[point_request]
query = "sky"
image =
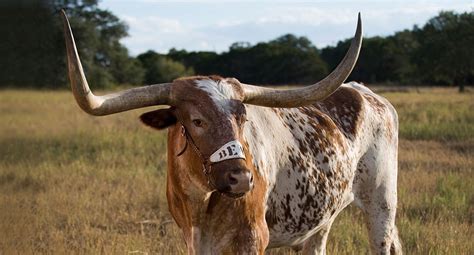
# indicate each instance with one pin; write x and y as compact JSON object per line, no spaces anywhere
{"x":211,"y":25}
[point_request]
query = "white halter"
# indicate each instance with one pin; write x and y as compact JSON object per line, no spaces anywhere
{"x":230,"y":150}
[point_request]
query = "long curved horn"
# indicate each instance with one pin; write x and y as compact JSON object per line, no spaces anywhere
{"x":307,"y":95}
{"x":111,"y":103}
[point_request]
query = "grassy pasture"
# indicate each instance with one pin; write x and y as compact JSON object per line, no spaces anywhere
{"x":72,"y":183}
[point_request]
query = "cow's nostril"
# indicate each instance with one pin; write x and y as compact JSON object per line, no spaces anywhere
{"x":232,"y":180}
{"x":240,"y":181}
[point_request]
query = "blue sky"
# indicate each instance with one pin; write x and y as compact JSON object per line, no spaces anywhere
{"x":214,"y":25}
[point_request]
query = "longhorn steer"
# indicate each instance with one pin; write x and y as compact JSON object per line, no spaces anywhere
{"x":243,"y":178}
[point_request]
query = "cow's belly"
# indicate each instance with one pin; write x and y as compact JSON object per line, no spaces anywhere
{"x":303,"y":202}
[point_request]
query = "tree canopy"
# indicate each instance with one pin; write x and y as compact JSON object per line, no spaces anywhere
{"x":285,"y":60}
{"x":33,"y":54}
{"x":445,"y":54}
{"x":160,"y":68}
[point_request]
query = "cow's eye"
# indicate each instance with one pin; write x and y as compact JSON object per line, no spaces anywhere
{"x":197,"y":122}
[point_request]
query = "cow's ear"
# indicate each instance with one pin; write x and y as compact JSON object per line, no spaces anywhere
{"x":159,"y":119}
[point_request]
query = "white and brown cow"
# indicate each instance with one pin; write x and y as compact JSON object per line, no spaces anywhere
{"x":253,"y":168}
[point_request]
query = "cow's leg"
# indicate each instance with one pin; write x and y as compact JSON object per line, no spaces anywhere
{"x":383,"y":233}
{"x":316,"y":244}
{"x":375,"y":189}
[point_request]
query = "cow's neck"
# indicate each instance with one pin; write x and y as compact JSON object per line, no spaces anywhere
{"x":214,"y":223}
{"x":228,"y":225}
{"x":219,"y":224}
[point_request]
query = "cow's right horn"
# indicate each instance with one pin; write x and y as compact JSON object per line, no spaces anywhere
{"x":310,"y":94}
{"x":112,"y":103}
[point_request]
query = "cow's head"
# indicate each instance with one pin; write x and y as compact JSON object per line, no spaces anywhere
{"x":209,"y":113}
{"x":209,"y":110}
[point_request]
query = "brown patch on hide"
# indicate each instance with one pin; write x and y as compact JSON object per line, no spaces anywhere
{"x":324,"y":134}
{"x":383,"y":109}
{"x":344,"y":107}
{"x":179,"y":204}
{"x":390,"y":128}
{"x":375,"y":103}
{"x":270,"y":216}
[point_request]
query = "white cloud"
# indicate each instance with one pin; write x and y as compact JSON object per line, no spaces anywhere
{"x":154,"y":23}
{"x":159,"y":34}
{"x":307,"y":16}
{"x":207,"y":27}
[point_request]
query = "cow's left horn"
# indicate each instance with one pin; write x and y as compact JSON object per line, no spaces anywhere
{"x":111,"y":103}
{"x":309,"y":94}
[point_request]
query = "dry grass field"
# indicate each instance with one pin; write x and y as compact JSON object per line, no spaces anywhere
{"x":75,"y":184}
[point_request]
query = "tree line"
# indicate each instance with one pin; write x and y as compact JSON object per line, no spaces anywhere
{"x":33,"y":55}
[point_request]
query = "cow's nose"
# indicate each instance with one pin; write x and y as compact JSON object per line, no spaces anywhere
{"x":240,"y":181}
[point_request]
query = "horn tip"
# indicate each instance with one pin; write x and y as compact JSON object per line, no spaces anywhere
{"x":359,"y":20}
{"x":359,"y":26}
{"x":64,"y":16}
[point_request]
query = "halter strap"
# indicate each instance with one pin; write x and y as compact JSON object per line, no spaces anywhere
{"x":190,"y":140}
{"x":230,"y":150}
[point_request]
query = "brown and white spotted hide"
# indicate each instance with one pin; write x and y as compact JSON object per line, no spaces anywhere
{"x":307,"y":163}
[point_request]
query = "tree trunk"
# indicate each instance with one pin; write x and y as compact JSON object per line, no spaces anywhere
{"x":458,"y":80}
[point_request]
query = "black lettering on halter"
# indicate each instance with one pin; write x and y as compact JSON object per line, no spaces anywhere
{"x":222,"y":154}
{"x":231,"y":150}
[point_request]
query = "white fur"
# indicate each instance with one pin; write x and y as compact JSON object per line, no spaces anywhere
{"x":220,"y":92}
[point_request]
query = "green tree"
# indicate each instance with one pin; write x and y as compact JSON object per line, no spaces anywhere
{"x":285,"y":60}
{"x":401,"y":48}
{"x":445,"y":55}
{"x":202,"y":62}
{"x":98,"y":32}
{"x":32,"y":45}
{"x":382,"y":59}
{"x":29,"y":45}
{"x":160,"y":68}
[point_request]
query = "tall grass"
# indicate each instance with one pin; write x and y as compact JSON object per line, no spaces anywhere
{"x":436,"y":114}
{"x":75,"y":184}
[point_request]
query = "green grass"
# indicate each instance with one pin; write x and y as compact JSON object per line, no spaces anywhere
{"x":435,"y":115}
{"x":72,"y":183}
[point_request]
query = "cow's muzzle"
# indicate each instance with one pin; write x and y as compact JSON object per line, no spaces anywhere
{"x":232,"y":179}
{"x":225,"y":168}
{"x":235,"y":179}
{"x":239,"y":182}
